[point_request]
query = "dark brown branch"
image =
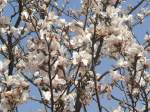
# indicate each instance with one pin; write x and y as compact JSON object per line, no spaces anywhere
{"x":134,"y":8}
{"x":10,"y":55}
{"x":93,"y":66}
{"x":20,"y":9}
{"x":49,"y":74}
{"x":116,"y":4}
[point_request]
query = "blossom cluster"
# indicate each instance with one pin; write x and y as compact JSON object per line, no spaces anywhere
{"x":59,"y":56}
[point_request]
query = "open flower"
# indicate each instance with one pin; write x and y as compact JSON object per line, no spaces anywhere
{"x":116,"y":76}
{"x":4,"y":21}
{"x":82,"y":56}
{"x":2,"y":4}
{"x":118,"y":109}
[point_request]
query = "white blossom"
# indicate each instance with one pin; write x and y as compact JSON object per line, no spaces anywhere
{"x":118,"y":109}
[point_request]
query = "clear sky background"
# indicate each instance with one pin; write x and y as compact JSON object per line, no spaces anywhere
{"x":139,"y":31}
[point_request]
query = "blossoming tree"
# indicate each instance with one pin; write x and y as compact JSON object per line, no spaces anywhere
{"x":55,"y":48}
